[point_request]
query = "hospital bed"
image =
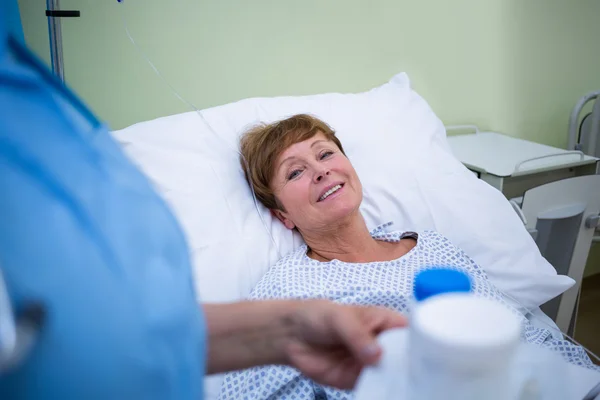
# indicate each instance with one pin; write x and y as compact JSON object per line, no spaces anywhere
{"x":555,"y":192}
{"x":409,"y":174}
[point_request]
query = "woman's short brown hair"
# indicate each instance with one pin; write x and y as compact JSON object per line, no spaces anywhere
{"x":263,"y":144}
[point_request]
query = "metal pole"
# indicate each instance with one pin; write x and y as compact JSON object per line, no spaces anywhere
{"x":55,"y":34}
{"x":574,"y":120}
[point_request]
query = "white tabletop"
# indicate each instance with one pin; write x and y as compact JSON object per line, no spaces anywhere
{"x":502,"y":155}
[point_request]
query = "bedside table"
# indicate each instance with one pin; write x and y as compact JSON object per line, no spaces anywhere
{"x":514,"y":165}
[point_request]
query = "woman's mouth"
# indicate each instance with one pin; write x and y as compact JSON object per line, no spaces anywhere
{"x":331,"y":191}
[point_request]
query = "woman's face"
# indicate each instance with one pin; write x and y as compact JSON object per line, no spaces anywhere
{"x":316,"y":184}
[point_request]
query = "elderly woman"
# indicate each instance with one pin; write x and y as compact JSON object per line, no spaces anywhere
{"x":299,"y":170}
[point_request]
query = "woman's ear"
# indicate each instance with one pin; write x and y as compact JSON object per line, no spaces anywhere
{"x":280,"y":215}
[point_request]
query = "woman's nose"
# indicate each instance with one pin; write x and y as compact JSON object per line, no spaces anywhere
{"x":320,"y":175}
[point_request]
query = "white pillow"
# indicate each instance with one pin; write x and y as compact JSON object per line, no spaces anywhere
{"x":399,"y":149}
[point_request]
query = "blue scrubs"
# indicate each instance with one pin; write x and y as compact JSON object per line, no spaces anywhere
{"x":83,"y":233}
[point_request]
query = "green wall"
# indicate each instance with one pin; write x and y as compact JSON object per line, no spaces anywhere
{"x":512,"y":66}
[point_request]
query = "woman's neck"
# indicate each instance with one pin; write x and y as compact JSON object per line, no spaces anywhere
{"x":348,"y":241}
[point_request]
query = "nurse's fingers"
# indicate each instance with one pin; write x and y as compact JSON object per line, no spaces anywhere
{"x":358,"y":328}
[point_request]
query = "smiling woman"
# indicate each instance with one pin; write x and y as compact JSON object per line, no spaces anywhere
{"x":299,"y":170}
{"x":315,"y":184}
{"x":263,"y":145}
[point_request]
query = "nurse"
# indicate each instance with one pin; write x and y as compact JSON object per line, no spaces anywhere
{"x":89,"y":246}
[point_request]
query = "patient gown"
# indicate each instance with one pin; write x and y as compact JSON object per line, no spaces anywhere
{"x":388,"y":284}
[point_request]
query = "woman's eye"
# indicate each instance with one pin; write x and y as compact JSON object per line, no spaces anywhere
{"x":293,"y":174}
{"x":326,"y":154}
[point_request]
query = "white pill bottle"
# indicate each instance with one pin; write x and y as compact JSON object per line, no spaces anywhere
{"x":462,"y":346}
{"x":457,"y":346}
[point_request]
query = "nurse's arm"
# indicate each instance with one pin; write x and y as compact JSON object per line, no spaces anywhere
{"x":247,"y":334}
{"x":305,"y":334}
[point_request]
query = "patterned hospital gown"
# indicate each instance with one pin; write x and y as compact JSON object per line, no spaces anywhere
{"x":388,"y":284}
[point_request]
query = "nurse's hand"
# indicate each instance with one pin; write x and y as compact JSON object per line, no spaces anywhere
{"x":328,"y":342}
{"x":331,"y":343}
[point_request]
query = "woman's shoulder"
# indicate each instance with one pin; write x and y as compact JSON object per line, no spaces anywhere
{"x":286,"y":277}
{"x":295,"y":257}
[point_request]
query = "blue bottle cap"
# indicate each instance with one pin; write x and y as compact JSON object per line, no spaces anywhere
{"x":440,"y":280}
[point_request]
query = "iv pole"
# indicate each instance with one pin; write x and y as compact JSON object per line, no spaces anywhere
{"x":54,"y":14}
